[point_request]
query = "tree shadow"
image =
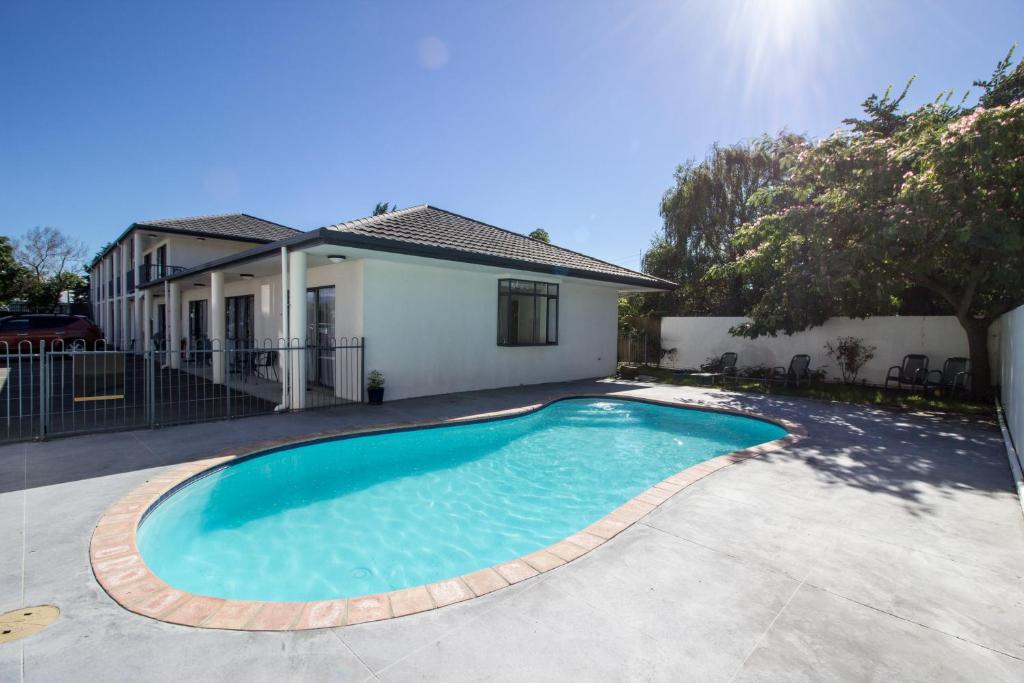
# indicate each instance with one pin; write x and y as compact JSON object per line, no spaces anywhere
{"x":914,"y":458}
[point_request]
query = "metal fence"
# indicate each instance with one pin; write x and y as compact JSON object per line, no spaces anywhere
{"x":52,"y":390}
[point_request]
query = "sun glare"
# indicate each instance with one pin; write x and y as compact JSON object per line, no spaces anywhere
{"x":778,"y":51}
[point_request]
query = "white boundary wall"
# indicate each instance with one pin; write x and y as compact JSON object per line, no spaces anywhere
{"x":938,"y":337}
{"x":1011,"y":372}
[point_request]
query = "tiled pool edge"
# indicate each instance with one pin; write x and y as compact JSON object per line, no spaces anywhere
{"x":122,"y":573}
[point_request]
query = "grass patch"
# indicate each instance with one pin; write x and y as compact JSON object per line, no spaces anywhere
{"x":847,"y":393}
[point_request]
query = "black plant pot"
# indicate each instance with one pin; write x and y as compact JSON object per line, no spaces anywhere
{"x":376,"y":395}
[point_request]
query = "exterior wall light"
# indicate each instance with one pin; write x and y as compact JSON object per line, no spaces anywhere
{"x":335,"y":258}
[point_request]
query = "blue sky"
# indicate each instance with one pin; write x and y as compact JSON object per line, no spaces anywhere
{"x":569,"y":116}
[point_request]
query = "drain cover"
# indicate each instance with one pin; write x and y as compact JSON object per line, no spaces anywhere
{"x":23,"y":622}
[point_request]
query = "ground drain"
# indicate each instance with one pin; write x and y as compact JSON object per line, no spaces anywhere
{"x":21,"y":623}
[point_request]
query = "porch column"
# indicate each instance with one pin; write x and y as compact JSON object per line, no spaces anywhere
{"x":137,"y":333}
{"x":296,"y":329}
{"x":124,"y":331}
{"x":147,"y":317}
{"x":115,"y":263}
{"x":174,"y":324}
{"x":218,"y":330}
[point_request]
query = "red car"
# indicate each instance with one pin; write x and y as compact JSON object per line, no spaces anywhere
{"x":25,"y":332}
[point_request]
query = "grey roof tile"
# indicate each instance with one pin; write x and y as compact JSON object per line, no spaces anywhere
{"x":428,"y":226}
{"x":239,"y":226}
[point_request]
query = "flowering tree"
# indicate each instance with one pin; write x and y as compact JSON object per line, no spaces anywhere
{"x":931,"y":198}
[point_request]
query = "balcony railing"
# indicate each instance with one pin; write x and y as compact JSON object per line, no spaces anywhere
{"x":148,"y":272}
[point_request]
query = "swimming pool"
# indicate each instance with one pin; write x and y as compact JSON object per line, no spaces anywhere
{"x":380,"y":512}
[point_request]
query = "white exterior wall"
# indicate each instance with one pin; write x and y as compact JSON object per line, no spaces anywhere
{"x":1011,"y":372}
{"x":433,"y":330}
{"x":188,"y":251}
{"x":938,"y":337}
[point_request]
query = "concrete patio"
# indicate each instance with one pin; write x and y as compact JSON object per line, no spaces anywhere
{"x":884,"y":546}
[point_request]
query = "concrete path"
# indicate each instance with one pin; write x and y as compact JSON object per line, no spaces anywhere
{"x":883,"y":547}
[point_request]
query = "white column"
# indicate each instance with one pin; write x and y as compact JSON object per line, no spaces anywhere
{"x":297,"y":327}
{"x":115,"y":264}
{"x":137,"y":333}
{"x":123,"y":331}
{"x":107,"y":332}
{"x":174,"y":324}
{"x":217,"y":324}
{"x":147,"y":317}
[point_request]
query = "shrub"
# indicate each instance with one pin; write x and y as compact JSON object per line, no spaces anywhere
{"x":850,"y":353}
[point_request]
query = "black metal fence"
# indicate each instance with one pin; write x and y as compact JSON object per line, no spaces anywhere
{"x":49,"y":390}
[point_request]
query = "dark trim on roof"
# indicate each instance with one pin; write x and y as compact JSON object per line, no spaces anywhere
{"x":341,"y":238}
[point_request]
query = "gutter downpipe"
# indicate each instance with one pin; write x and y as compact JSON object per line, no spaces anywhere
{"x":286,"y":356}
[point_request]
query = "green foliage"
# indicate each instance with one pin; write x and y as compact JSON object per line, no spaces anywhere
{"x":701,"y":213}
{"x":540,"y":234}
{"x":12,"y":273}
{"x":1006,"y":85}
{"x":40,"y":268}
{"x":931,"y":198}
{"x":376,"y":379}
{"x":381,"y":208}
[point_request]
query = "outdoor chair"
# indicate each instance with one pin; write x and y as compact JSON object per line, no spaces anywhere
{"x":724,"y":366}
{"x":728,"y":360}
{"x":954,"y":376}
{"x":913,"y":372}
{"x":264,"y":363}
{"x":202,"y":351}
{"x":799,"y":371}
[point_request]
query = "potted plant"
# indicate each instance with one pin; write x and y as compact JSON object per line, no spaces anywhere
{"x":375,"y":389}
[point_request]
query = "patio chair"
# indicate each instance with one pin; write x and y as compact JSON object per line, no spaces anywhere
{"x":724,"y":366}
{"x":955,"y":375}
{"x":910,"y":374}
{"x":799,"y":371}
{"x":202,"y":351}
{"x":263,"y":363}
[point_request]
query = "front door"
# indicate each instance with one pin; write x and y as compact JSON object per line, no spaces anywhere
{"x":320,"y":336}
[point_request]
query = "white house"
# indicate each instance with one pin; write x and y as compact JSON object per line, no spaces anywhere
{"x":445,"y":303}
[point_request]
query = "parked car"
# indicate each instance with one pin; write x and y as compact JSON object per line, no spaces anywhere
{"x":19,"y":332}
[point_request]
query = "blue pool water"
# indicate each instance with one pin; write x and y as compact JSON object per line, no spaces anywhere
{"x":381,"y":512}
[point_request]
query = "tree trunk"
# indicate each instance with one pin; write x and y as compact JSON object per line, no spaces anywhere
{"x":977,"y":343}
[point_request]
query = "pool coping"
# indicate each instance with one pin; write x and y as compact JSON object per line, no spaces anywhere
{"x":120,"y":570}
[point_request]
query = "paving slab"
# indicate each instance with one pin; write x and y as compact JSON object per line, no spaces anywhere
{"x":824,"y":637}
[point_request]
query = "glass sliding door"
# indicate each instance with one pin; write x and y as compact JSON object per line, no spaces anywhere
{"x":320,"y":336}
{"x":238,"y":311}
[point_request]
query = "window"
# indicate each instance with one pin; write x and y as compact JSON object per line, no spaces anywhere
{"x":14,"y":325}
{"x":527,"y":313}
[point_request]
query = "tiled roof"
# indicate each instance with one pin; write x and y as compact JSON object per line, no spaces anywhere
{"x":463,"y":238}
{"x":238,"y":226}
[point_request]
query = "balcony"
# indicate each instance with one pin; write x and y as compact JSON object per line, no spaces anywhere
{"x":148,"y":272}
{"x":129,"y":281}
